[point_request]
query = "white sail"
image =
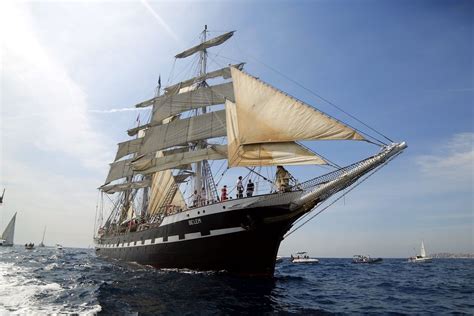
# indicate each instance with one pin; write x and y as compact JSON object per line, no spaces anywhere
{"x":128,"y":147}
{"x":263,"y":154}
{"x":423,"y":251}
{"x":162,"y":183}
{"x":150,"y":165}
{"x":114,"y":188}
{"x":267,"y":115}
{"x":169,"y":105}
{"x":119,"y":169}
{"x":182,"y":132}
{"x":9,"y":232}
{"x":205,"y":45}
{"x":187,"y":97}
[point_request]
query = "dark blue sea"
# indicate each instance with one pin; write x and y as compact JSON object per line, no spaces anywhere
{"x":46,"y":281}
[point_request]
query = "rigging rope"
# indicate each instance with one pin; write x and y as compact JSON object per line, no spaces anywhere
{"x":340,"y":197}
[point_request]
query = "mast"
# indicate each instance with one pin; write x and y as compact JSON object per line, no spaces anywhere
{"x":44,"y":232}
{"x":146,"y":197}
{"x":198,"y":178}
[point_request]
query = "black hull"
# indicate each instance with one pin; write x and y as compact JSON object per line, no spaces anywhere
{"x":242,"y":241}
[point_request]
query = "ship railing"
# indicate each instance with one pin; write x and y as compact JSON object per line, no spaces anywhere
{"x":283,"y":197}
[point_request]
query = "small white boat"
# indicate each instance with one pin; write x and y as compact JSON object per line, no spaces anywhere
{"x":422,"y":258}
{"x":302,"y":257}
{"x":59,"y":247}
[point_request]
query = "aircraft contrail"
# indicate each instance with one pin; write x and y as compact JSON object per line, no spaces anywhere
{"x":119,"y":110}
{"x":160,"y":20}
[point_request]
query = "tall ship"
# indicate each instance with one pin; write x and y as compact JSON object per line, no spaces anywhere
{"x":163,"y":203}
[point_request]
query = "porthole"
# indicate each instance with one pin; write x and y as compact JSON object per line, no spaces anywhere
{"x":203,"y":211}
{"x":223,"y":207}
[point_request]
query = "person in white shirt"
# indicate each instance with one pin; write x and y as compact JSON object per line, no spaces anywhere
{"x":240,"y":188}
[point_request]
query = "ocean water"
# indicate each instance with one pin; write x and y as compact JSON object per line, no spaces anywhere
{"x":47,"y":281}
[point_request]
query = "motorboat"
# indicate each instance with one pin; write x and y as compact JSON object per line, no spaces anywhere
{"x":302,"y":257}
{"x":59,"y":247}
{"x":365,"y":259}
{"x":29,"y":246}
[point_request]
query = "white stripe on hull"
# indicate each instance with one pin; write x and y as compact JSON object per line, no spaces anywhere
{"x":172,"y":239}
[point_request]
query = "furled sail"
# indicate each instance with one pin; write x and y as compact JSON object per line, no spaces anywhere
{"x":182,"y":132}
{"x":223,"y":72}
{"x":113,"y":188}
{"x":267,"y":115}
{"x":167,"y":106}
{"x":134,"y":131}
{"x":151,"y":165}
{"x":205,"y":45}
{"x":263,"y":154}
{"x":9,"y":232}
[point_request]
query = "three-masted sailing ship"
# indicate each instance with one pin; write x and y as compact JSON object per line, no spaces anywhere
{"x":150,"y":220}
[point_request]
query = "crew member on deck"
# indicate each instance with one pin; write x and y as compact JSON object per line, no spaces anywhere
{"x":240,"y":188}
{"x":203,"y":197}
{"x":250,"y":188}
{"x":224,"y":193}
{"x":282,"y":179}
{"x":195,"y":198}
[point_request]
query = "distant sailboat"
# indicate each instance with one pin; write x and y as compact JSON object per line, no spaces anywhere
{"x":41,"y":244}
{"x":8,"y":234}
{"x":422,"y":258}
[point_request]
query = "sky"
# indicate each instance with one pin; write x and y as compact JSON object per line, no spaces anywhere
{"x":72,"y":71}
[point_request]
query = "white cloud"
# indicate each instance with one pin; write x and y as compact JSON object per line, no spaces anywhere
{"x":42,"y":106}
{"x":452,"y":163}
{"x":52,"y":153}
